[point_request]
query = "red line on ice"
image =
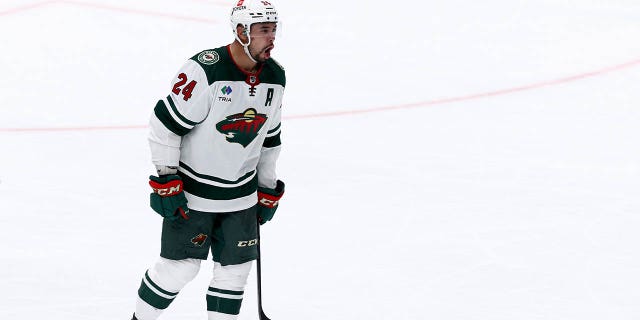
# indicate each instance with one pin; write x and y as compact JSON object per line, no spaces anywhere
{"x":475,"y":96}
{"x":468,"y":97}
{"x":57,"y":129}
{"x":107,"y":7}
{"x":138,"y":11}
{"x":25,"y":8}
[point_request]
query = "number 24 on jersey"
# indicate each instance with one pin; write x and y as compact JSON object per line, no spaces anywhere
{"x":186,"y":90}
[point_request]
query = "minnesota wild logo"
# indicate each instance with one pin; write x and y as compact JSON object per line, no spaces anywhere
{"x":199,"y":239}
{"x":243,"y":127}
{"x":208,"y":57}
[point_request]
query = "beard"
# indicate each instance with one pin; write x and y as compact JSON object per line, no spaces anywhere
{"x":261,"y":54}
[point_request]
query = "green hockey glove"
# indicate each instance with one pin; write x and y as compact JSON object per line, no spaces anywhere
{"x":268,"y":201}
{"x":167,"y":198}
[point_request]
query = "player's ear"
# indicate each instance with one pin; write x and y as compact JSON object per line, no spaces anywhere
{"x":242,"y":33}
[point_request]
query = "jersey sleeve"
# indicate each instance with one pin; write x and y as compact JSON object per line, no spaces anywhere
{"x":270,"y":152}
{"x":186,"y":105}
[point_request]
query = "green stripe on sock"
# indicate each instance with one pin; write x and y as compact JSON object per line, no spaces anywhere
{"x":237,"y":293}
{"x":223,"y":305}
{"x":146,"y":275}
{"x":147,"y":295}
{"x":150,"y":296}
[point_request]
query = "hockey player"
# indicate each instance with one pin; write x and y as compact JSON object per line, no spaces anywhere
{"x":214,"y":141}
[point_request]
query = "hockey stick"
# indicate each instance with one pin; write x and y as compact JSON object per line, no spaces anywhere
{"x":259,"y":271}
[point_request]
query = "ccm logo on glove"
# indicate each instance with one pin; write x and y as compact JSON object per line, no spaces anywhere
{"x":268,"y":200}
{"x":166,"y":190}
{"x":167,"y":198}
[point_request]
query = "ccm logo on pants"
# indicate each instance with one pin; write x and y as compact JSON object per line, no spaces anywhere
{"x":247,"y":243}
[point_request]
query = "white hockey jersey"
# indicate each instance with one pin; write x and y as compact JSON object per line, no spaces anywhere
{"x":221,"y":127}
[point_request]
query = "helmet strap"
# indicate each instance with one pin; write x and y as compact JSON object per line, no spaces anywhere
{"x":246,"y":50}
{"x":246,"y":46}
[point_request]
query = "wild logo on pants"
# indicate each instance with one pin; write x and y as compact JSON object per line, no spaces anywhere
{"x":199,"y":239}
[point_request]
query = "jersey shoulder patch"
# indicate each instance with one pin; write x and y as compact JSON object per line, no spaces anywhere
{"x":214,"y":62}
{"x":208,"y":57}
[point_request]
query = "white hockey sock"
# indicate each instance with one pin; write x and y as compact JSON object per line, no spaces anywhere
{"x":161,"y":284}
{"x":226,"y":289}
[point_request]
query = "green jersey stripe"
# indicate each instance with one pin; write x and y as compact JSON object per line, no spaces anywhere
{"x":215,"y":179}
{"x":162,"y":113}
{"x":210,"y":192}
{"x":271,"y":142}
{"x":274,"y":129}
{"x":177,"y":113}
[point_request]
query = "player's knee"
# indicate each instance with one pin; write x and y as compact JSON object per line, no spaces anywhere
{"x":231,"y":277}
{"x":173,"y":275}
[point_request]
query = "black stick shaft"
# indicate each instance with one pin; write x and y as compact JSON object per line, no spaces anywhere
{"x":259,"y":272}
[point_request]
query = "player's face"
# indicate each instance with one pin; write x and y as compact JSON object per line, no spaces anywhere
{"x":262,"y":37}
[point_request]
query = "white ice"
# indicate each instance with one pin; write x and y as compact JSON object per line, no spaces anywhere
{"x":446,"y":160}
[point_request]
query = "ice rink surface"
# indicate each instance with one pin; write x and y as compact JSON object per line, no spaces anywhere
{"x":444,"y":160}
